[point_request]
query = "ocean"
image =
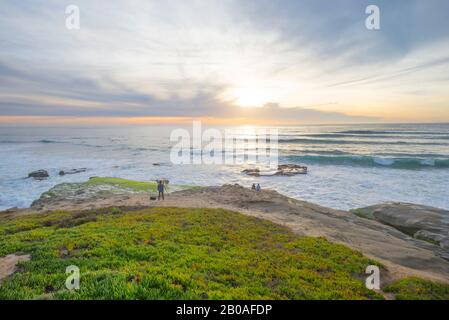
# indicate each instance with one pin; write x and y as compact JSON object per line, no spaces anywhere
{"x":349,"y":166}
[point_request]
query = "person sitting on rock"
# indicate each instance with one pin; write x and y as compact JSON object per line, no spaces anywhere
{"x":160,"y":189}
{"x":253,"y":187}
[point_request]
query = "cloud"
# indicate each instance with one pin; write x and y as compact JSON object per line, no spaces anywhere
{"x":51,"y":95}
{"x":190,"y":58}
{"x":299,"y":115}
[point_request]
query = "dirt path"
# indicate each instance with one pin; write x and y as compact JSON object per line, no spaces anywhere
{"x":401,"y":254}
{"x":8,"y":264}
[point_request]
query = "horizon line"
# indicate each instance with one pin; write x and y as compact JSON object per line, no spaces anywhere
{"x":20,"y":121}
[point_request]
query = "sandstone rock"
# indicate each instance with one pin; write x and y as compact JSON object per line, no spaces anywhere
{"x":445,"y":244}
{"x":418,"y":221}
{"x":39,"y":174}
{"x":429,"y":236}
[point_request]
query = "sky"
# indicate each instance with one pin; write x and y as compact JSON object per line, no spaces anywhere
{"x":252,"y":61}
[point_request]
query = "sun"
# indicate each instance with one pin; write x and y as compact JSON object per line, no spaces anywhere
{"x":249,"y":97}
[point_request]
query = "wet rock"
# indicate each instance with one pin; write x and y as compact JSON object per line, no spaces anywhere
{"x":290,"y":170}
{"x":39,"y":174}
{"x":72,"y":171}
{"x":282,"y":170}
{"x":252,"y":172}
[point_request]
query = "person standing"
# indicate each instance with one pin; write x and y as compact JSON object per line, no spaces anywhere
{"x":258,"y":187}
{"x":160,"y":189}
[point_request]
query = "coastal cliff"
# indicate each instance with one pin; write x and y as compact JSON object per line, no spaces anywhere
{"x":400,"y":255}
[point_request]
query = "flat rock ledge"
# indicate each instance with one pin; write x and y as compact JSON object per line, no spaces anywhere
{"x":418,"y":221}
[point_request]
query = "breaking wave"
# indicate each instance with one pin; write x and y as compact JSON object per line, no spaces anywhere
{"x":370,"y":161}
{"x":364,"y":142}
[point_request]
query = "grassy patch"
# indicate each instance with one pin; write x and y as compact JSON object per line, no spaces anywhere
{"x":124,"y":183}
{"x":174,"y":253}
{"x":103,"y":187}
{"x":133,"y":185}
{"x":418,"y":289}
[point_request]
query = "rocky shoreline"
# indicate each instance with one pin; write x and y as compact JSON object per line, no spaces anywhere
{"x":282,"y":170}
{"x":408,"y":239}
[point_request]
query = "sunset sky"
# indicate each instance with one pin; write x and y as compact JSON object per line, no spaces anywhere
{"x":225,"y":61}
